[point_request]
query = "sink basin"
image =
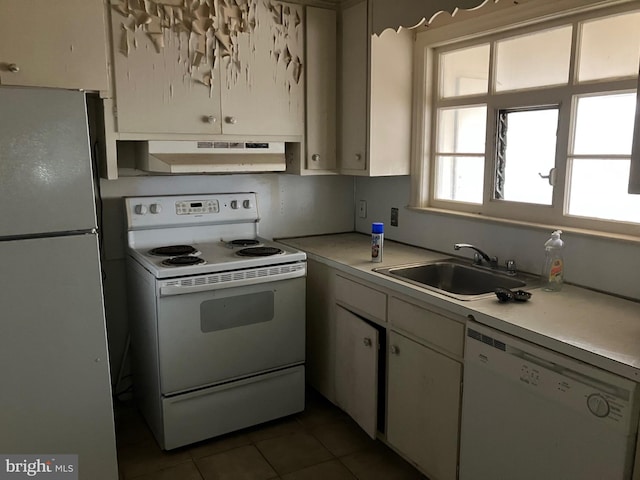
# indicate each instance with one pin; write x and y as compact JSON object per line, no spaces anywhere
{"x":454,"y":278}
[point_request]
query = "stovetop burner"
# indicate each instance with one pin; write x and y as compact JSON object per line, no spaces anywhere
{"x":259,"y":251}
{"x":182,"y":260}
{"x":173,"y":250}
{"x":243,"y":242}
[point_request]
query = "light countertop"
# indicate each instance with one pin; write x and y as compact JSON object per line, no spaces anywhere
{"x":599,"y":329}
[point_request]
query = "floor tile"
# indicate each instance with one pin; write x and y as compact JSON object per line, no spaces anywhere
{"x":242,"y":463}
{"x":343,"y":437}
{"x":183,"y":471}
{"x":274,"y":429}
{"x":380,"y":463}
{"x":219,"y":444}
{"x":331,"y":470}
{"x":146,"y":457}
{"x":299,"y":447}
{"x":319,"y":411}
{"x":289,"y":453}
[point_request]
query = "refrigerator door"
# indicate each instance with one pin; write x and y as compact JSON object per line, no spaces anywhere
{"x":45,"y":164}
{"x":56,"y":392}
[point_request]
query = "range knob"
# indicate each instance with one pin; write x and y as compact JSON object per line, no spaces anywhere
{"x":155,"y":208}
{"x":247,"y":204}
{"x":234,"y":204}
{"x":140,"y":209}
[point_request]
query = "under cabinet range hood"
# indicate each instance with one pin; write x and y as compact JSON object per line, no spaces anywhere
{"x":198,"y":156}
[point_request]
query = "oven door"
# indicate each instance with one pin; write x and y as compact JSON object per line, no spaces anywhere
{"x":218,"y":335}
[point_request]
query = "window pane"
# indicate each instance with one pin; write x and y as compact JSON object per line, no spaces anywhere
{"x":610,"y":47}
{"x":599,"y":190}
{"x":462,"y":130}
{"x":464,"y":72}
{"x":526,"y":150}
{"x":534,"y":60}
{"x":604,"y":124}
{"x":459,"y":178}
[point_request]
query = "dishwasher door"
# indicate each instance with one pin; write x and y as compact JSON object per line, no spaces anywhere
{"x":531,"y":414}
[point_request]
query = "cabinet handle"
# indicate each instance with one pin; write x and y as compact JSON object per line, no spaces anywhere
{"x":14,"y":68}
{"x":367,"y":342}
{"x":210,"y":119}
{"x":394,"y":350}
{"x":315,"y":157}
{"x":358,"y":157}
{"x":231,"y":120}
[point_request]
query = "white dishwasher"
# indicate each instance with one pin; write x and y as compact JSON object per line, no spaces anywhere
{"x":529,"y":414}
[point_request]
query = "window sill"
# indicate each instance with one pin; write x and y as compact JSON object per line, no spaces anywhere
{"x":633,"y":239}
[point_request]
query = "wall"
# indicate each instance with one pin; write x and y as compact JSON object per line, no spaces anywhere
{"x":288,"y":206}
{"x":599,"y":263}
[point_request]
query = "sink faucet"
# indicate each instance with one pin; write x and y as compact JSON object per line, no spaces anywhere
{"x":479,"y":255}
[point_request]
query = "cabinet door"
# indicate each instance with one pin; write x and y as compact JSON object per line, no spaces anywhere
{"x":321,"y":88}
{"x":59,"y":43}
{"x":423,"y":414}
{"x":353,"y":87}
{"x":157,"y":90}
{"x":357,"y":369}
{"x":263,"y":94}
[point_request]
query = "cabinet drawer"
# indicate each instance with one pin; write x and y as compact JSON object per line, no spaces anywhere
{"x":366,"y":301}
{"x":430,"y":326}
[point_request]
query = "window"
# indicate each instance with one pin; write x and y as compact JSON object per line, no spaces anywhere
{"x":535,"y":124}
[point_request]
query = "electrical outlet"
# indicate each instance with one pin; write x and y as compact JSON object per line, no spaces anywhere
{"x":362,"y":209}
{"x":394,"y":217}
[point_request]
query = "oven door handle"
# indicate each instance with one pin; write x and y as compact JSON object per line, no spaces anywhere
{"x":207,"y":283}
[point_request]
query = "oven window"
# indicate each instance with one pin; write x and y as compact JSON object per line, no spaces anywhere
{"x":239,"y":311}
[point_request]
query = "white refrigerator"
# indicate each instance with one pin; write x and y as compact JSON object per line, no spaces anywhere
{"x":55,"y":393}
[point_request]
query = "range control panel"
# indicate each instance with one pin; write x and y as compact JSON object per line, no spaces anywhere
{"x":176,"y":210}
{"x":197,"y":207}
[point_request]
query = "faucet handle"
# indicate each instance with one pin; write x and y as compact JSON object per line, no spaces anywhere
{"x":511,"y":267}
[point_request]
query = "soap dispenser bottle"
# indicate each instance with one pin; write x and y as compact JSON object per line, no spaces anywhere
{"x":553,"y":271}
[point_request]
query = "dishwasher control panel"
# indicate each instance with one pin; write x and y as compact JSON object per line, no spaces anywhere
{"x":556,"y":377}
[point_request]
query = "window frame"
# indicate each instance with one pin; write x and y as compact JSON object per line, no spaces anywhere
{"x":474,"y":31}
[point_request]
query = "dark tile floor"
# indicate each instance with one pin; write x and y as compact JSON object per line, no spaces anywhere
{"x":321,"y":443}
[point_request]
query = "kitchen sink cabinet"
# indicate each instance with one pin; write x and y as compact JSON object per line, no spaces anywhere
{"x":60,"y":44}
{"x":423,"y":406}
{"x":216,"y":74}
{"x":375,"y":96}
{"x":347,"y":319}
{"x":356,"y":370}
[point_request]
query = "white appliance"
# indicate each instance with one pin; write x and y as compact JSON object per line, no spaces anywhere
{"x":197,"y":156}
{"x":55,"y":390}
{"x":530,"y":414}
{"x":217,"y":317}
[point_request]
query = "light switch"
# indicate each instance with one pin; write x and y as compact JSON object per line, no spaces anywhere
{"x":362,"y":209}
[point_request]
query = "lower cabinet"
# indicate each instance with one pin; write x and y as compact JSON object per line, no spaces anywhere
{"x":387,"y":382}
{"x":321,"y":329}
{"x":423,"y":406}
{"x":356,"y":369}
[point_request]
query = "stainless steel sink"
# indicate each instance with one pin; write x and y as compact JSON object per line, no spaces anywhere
{"x":457,"y":279}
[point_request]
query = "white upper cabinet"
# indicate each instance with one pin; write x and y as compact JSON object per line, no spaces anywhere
{"x":208,"y":68}
{"x":60,"y":44}
{"x":321,"y":52}
{"x":375,"y":96}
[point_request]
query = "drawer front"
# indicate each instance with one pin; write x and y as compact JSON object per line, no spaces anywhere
{"x":427,"y":325}
{"x":365,"y":301}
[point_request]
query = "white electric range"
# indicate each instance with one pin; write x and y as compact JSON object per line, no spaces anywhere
{"x":217,"y":316}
